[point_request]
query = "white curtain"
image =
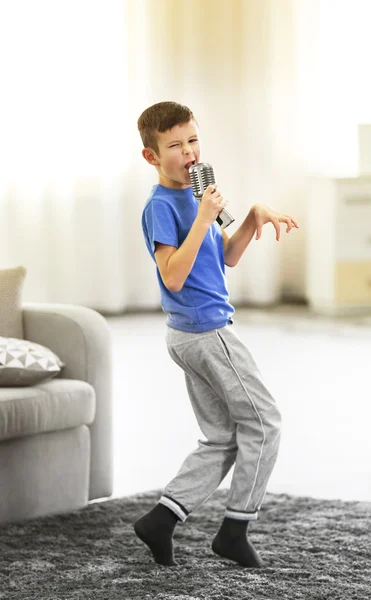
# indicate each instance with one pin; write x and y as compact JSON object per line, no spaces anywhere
{"x":64,"y":149}
{"x":262,"y":78}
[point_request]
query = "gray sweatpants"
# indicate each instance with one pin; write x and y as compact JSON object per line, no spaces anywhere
{"x":236,"y":414}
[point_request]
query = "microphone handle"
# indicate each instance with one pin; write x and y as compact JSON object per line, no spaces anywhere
{"x":224,"y":219}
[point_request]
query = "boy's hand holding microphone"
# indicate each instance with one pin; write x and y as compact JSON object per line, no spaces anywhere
{"x":212,"y":203}
{"x":204,"y":184}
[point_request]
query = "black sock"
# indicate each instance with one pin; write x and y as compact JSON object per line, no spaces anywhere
{"x":231,"y":542}
{"x":156,"y":529}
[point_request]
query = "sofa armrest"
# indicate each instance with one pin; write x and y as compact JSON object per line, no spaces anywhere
{"x":81,"y":338}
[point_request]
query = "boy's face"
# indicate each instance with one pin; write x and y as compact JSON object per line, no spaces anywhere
{"x":179,"y":148}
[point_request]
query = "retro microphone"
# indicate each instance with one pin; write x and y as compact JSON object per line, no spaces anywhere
{"x":202,"y":175}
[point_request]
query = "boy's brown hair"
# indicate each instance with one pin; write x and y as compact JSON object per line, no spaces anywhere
{"x":159,"y":118}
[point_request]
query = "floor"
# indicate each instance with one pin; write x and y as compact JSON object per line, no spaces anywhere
{"x":317,"y":368}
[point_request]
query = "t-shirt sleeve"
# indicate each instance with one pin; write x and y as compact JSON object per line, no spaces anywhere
{"x":160,"y":225}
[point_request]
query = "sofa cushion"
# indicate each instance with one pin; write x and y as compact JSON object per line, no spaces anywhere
{"x":26,"y":363}
{"x":51,"y":406}
{"x":11,"y":285}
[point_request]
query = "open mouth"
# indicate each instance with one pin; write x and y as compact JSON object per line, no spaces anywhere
{"x":189,"y":164}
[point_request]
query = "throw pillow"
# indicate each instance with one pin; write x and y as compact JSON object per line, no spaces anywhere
{"x":11,"y":285}
{"x":24,"y":363}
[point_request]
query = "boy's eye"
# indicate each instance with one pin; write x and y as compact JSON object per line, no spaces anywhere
{"x":192,"y":140}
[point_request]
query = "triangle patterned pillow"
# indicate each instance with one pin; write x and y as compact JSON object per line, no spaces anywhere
{"x":24,"y":363}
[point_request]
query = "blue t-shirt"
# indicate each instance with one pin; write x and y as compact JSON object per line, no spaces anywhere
{"x":203,"y":302}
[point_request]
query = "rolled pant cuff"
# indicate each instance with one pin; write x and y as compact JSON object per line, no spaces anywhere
{"x":240,"y":515}
{"x":177,"y":508}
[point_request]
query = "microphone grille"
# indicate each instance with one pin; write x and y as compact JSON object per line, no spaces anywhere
{"x":201,"y":175}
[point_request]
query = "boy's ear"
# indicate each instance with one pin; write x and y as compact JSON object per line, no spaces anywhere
{"x":150,"y":156}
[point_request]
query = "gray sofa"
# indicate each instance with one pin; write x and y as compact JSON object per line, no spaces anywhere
{"x":56,"y":436}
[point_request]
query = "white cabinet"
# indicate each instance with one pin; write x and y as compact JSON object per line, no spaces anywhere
{"x":338,"y":264}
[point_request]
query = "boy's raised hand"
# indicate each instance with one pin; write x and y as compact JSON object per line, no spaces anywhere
{"x":264,"y":214}
{"x":212,"y":203}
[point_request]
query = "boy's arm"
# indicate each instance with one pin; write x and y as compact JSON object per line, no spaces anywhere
{"x":236,"y":245}
{"x":175,"y":264}
{"x":259,"y":215}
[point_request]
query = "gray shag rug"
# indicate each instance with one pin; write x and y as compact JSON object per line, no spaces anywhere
{"x":313,"y":549}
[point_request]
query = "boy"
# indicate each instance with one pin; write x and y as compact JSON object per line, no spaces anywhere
{"x":233,"y":408}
